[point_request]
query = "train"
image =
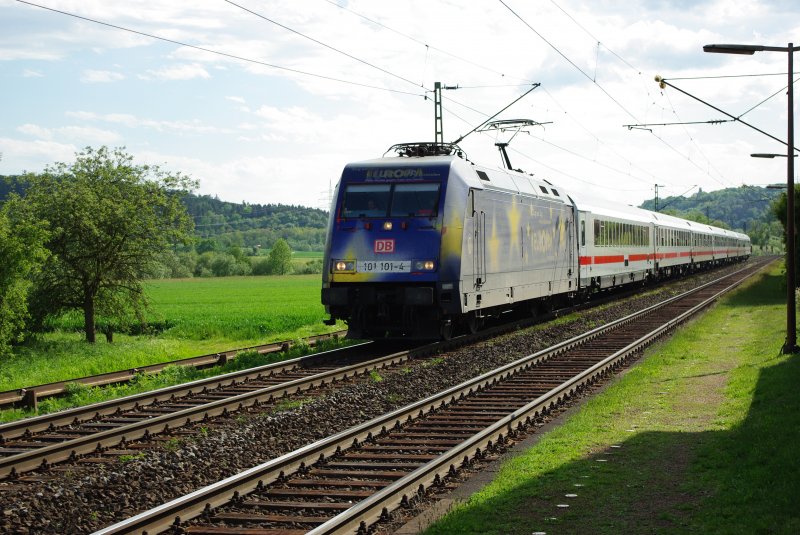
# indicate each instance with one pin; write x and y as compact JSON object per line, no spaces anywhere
{"x":425,"y":243}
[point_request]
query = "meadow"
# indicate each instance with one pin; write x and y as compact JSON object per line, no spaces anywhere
{"x":191,"y":316}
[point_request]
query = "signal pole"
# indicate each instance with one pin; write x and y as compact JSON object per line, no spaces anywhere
{"x":437,"y":110}
{"x":656,"y":188}
{"x":437,"y":113}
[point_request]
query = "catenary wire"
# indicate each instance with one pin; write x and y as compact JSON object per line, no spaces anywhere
{"x":426,"y":45}
{"x":220,"y":53}
{"x":317,"y":41}
{"x":662,"y":140}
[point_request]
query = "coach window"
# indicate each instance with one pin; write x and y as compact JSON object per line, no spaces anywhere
{"x":421,"y":200}
{"x":366,"y":200}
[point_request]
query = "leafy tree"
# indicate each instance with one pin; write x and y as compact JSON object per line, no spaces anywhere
{"x":21,"y":253}
{"x":109,"y":220}
{"x":205,"y":245}
{"x":779,"y":209}
{"x":279,"y":260}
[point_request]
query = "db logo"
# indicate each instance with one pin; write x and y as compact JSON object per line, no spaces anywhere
{"x":384,"y":246}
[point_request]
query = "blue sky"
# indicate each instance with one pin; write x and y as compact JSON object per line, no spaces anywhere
{"x":262,"y":134}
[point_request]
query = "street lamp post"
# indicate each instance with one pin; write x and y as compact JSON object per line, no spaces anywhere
{"x":791,"y":335}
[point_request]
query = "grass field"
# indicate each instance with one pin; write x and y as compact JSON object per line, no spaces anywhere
{"x":699,"y":437}
{"x":238,"y":308}
{"x":202,"y":316}
{"x":307,"y":255}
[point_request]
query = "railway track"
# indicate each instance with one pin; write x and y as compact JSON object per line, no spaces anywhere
{"x":29,"y":396}
{"x":347,"y":482}
{"x":107,"y":428}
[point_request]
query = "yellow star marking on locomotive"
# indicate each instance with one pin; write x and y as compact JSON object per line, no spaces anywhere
{"x":494,"y":246}
{"x":452,"y":235}
{"x":514,"y":217}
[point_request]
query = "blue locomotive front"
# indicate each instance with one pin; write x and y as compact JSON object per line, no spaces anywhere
{"x":386,"y":272}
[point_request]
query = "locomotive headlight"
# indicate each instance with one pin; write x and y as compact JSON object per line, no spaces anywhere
{"x":344,"y":266}
{"x":424,"y":265}
{"x":387,"y":225}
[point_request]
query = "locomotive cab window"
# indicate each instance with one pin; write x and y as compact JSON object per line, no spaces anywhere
{"x":366,"y":200}
{"x":415,"y":200}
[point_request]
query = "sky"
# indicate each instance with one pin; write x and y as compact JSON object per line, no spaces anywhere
{"x":265,"y":101}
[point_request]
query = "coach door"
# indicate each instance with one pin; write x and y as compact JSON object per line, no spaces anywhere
{"x":571,"y":238}
{"x":582,"y":254}
{"x":479,"y":241}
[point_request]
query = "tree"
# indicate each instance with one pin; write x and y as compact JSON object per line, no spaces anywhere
{"x":279,"y":261}
{"x":108,"y":220}
{"x":21,"y":253}
{"x":779,"y":210}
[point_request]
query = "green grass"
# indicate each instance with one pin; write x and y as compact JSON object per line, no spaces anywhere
{"x":203,"y":316}
{"x":707,"y":427}
{"x":229,"y":308}
{"x":239,"y":308}
{"x":307,"y":255}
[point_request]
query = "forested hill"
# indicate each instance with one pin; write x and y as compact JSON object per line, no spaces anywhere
{"x":251,"y":225}
{"x":738,"y":208}
{"x":240,"y":224}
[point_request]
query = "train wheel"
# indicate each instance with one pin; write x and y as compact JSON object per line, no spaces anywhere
{"x":446,"y":329}
{"x":474,"y":323}
{"x":356,"y":325}
{"x":354,"y":332}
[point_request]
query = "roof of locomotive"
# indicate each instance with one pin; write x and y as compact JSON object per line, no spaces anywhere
{"x":475,"y":176}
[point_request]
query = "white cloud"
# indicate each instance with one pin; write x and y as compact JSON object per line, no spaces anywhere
{"x":178,"y":72}
{"x":240,"y":100}
{"x":35,"y":131}
{"x":80,"y":135}
{"x":92,"y":76}
{"x":20,"y":156}
{"x":132,"y":121}
{"x":30,"y":73}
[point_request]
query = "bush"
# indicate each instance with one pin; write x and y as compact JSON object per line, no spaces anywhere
{"x":312,"y":267}
{"x":260,"y":266}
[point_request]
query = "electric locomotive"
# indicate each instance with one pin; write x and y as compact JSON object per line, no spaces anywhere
{"x":424,"y":241}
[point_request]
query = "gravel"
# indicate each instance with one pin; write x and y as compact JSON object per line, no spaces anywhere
{"x":84,"y":498}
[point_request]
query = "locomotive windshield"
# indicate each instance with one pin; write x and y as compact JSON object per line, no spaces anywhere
{"x":415,"y":200}
{"x":397,"y":200}
{"x":366,"y":200}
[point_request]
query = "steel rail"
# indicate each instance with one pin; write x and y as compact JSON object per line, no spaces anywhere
{"x":63,"y":451}
{"x":191,"y":505}
{"x":78,"y":414}
{"x":29,"y":395}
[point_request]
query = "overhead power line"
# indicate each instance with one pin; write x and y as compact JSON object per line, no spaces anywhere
{"x":560,"y":53}
{"x":422,"y":43}
{"x":665,"y":82}
{"x":594,"y":81}
{"x":217,"y":52}
{"x":317,"y":41}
